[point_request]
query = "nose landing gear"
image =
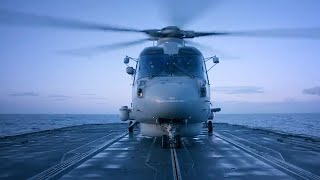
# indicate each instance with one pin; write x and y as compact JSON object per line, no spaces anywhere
{"x":171,"y":138}
{"x":167,"y":141}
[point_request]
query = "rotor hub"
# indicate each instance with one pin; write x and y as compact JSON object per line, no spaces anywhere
{"x":173,"y":32}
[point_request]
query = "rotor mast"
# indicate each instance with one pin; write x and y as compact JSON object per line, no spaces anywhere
{"x":170,"y":45}
{"x":171,"y":40}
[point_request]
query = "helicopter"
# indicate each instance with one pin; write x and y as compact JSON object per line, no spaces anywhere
{"x":170,"y":89}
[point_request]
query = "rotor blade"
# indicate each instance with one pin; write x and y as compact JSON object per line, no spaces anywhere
{"x":211,"y":50}
{"x":181,"y":12}
{"x":33,"y":20}
{"x":101,"y":48}
{"x":311,"y":33}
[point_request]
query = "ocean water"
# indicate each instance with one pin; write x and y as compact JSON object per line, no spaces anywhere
{"x":300,"y":124}
{"x":12,"y":124}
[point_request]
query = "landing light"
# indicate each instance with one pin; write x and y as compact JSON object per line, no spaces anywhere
{"x":140,"y":93}
{"x":126,"y":60}
{"x":130,"y":70}
{"x":215,"y":59}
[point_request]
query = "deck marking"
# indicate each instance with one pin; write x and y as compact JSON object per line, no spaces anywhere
{"x":62,"y":168}
{"x":189,"y":154}
{"x":146,"y":162}
{"x":282,"y":166}
{"x":149,"y":151}
{"x":153,"y":168}
{"x":175,"y":163}
{"x":63,"y":157}
{"x":277,"y":152}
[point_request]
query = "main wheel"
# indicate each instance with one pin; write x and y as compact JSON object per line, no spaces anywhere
{"x":178,"y":141}
{"x":210,"y":127}
{"x":165,"y":141}
{"x":130,"y":128}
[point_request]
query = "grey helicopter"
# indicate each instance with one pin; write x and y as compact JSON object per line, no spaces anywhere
{"x":170,"y":88}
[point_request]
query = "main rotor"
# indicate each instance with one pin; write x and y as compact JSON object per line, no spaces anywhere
{"x":12,"y":18}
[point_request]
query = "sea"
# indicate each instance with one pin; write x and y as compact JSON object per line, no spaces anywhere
{"x":296,"y":124}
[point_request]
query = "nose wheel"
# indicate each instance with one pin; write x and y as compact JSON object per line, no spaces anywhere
{"x":172,"y":139}
{"x":167,"y":141}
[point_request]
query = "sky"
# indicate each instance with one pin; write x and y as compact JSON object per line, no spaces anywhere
{"x":255,"y":75}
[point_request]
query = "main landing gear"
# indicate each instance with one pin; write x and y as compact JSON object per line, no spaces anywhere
{"x":130,"y":128}
{"x":210,"y":127}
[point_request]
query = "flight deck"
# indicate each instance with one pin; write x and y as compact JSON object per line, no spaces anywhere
{"x":108,"y":151}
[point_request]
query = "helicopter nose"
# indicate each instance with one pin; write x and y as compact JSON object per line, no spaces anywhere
{"x":174,"y":100}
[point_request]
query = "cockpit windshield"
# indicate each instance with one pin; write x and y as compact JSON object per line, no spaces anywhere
{"x":154,"y":65}
{"x":190,"y":64}
{"x":170,"y":65}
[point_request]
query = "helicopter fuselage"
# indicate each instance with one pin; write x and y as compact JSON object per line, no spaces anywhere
{"x":170,"y":91}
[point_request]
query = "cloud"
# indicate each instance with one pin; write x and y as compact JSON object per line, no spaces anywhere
{"x":24,"y":94}
{"x":238,"y":89}
{"x":98,"y":98}
{"x":101,"y":103}
{"x":312,"y":91}
{"x":93,"y":96}
{"x":88,"y":94}
{"x":59,"y":97}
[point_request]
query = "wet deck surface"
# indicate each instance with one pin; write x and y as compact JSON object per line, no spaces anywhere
{"x":107,"y":152}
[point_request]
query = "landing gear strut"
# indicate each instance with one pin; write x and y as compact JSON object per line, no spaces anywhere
{"x":130,"y":128}
{"x":172,"y":137}
{"x":210,"y":127}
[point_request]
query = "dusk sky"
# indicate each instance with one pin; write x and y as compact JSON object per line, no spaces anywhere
{"x":255,"y":75}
